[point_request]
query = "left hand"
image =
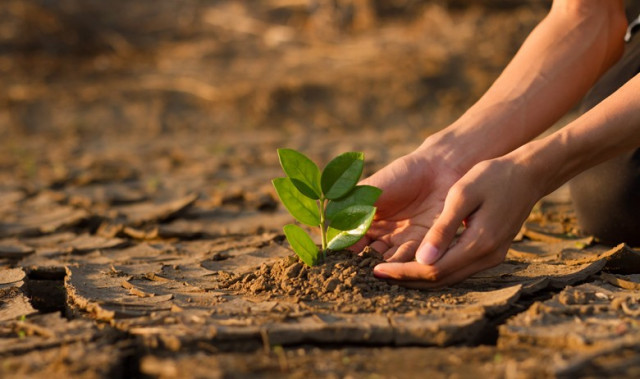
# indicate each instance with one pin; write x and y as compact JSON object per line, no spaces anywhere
{"x":494,"y":199}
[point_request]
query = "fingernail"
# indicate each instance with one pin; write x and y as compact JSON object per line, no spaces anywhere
{"x":427,"y":255}
{"x":379,"y":273}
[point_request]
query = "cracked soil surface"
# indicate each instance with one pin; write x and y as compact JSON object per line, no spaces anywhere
{"x":140,"y":235}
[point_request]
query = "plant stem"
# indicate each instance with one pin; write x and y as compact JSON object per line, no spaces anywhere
{"x":323,"y":227}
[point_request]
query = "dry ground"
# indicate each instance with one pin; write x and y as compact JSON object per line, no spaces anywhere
{"x":139,"y":235}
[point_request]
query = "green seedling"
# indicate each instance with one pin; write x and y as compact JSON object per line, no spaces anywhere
{"x":330,"y":200}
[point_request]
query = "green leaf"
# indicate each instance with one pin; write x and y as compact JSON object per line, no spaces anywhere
{"x":301,"y":207}
{"x":302,"y":244}
{"x":352,"y":217}
{"x":360,"y":195}
{"x":339,"y":239}
{"x":342,"y":174}
{"x":304,"y":174}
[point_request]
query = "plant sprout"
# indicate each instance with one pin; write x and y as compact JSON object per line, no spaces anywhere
{"x":330,"y":199}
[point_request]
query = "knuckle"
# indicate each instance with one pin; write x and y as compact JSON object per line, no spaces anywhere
{"x":459,"y":192}
{"x":484,"y":164}
{"x":489,"y":165}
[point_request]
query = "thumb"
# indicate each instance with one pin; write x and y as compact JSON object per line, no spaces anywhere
{"x":457,"y":207}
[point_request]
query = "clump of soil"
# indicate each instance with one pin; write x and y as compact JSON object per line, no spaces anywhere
{"x":344,"y":283}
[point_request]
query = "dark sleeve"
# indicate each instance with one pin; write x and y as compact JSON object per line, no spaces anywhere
{"x":625,"y":69}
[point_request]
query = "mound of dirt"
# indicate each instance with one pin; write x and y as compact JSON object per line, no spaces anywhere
{"x":344,"y":282}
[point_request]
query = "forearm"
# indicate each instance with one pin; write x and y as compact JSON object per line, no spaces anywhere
{"x":553,"y":69}
{"x":610,"y":128}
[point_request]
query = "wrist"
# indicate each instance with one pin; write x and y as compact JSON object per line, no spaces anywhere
{"x":457,"y":147}
{"x":546,"y":161}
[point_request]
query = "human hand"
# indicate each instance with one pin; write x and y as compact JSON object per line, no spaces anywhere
{"x":414,"y":189}
{"x":493,"y":199}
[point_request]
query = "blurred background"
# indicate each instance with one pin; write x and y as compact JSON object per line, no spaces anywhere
{"x":151,"y":85}
{"x":158,"y":66}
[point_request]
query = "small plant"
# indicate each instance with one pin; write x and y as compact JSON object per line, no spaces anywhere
{"x":331,"y":200}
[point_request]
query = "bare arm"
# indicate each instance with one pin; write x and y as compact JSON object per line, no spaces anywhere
{"x":610,"y":128}
{"x":456,"y":173}
{"x":497,"y":195}
{"x":560,"y":60}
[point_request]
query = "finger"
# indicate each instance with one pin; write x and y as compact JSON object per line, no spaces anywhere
{"x":416,"y":275}
{"x":405,"y":252}
{"x":478,"y":243}
{"x":378,"y":231}
{"x":459,"y":275}
{"x":360,"y":245}
{"x":458,"y":205}
{"x":473,"y":246}
{"x":449,"y":280}
{"x":404,"y":271}
{"x":389,"y":253}
{"x":379,"y":246}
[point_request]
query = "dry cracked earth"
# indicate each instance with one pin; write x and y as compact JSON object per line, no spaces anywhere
{"x":107,"y":273}
{"x":157,"y":251}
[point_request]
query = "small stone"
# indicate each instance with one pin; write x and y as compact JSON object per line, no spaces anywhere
{"x":365,"y":262}
{"x":248,"y":278}
{"x":293,"y":270}
{"x":331,"y":284}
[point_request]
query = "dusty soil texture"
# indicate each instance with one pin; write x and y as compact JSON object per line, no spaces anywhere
{"x":140,"y":235}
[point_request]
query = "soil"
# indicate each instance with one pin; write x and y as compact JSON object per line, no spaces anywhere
{"x":343,"y":283}
{"x":140,"y":235}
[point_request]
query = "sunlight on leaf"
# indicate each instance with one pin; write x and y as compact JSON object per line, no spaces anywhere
{"x":342,"y":174}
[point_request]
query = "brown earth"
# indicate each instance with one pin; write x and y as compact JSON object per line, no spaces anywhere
{"x":140,"y":235}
